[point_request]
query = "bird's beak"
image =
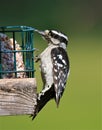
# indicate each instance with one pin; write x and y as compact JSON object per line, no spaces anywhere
{"x":40,"y":32}
{"x":44,"y":34}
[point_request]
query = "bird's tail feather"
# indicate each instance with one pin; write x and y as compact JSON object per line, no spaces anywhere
{"x":44,"y":98}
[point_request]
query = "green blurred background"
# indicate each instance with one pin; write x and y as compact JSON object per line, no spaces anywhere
{"x":81,"y":104}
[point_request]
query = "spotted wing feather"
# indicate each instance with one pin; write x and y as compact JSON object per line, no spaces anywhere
{"x":60,"y":71}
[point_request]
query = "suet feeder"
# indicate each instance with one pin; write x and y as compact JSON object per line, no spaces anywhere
{"x":16,"y":52}
{"x":18,"y":91}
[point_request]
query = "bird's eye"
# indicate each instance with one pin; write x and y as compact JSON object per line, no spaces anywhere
{"x":53,"y":35}
{"x":56,"y":36}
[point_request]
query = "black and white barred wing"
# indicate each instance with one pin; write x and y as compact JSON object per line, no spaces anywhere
{"x":60,"y":71}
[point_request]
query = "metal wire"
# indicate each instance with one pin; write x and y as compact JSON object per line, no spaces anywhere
{"x":25,"y":35}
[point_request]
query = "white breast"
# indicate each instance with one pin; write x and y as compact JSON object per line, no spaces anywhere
{"x":46,"y":65}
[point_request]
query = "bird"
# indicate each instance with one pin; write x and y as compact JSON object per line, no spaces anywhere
{"x":54,"y":64}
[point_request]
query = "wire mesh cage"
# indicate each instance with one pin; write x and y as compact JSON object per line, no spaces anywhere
{"x":16,"y":52}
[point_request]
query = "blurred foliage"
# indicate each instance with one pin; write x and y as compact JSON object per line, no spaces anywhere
{"x":81,"y":20}
{"x":66,"y":15}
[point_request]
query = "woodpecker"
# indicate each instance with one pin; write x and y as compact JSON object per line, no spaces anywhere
{"x":54,"y":64}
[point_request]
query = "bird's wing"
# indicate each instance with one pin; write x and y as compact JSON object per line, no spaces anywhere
{"x":60,"y":71}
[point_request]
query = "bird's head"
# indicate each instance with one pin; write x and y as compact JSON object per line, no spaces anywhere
{"x":54,"y":37}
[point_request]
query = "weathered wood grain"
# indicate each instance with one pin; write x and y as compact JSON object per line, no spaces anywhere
{"x":18,"y":96}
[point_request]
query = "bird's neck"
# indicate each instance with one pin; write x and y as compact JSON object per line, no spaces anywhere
{"x":62,"y":45}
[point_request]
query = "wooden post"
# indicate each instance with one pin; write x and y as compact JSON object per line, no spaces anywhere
{"x":18,"y":96}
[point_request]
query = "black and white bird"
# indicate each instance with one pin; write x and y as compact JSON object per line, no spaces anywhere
{"x":54,"y":65}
